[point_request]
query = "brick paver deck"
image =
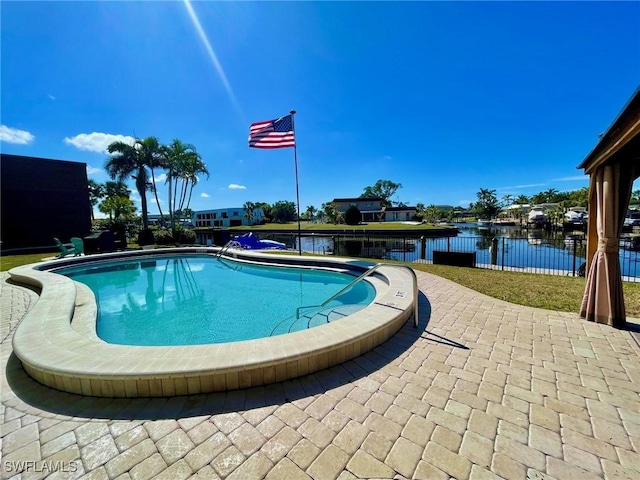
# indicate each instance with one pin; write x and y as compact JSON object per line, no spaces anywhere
{"x":483,"y":389}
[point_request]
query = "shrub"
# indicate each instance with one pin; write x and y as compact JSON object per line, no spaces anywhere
{"x":352,"y":216}
{"x":162,"y":236}
{"x":185,"y":236}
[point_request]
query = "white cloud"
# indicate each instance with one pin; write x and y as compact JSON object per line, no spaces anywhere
{"x":13,"y":135}
{"x":93,"y":170}
{"x":51,"y":96}
{"x":466,"y":203}
{"x":515,"y":187}
{"x":570,"y":179}
{"x":160,"y":178}
{"x":205,"y":195}
{"x":235,"y":186}
{"x":96,"y":141}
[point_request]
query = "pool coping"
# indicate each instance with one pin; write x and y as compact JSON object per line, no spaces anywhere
{"x":56,"y":348}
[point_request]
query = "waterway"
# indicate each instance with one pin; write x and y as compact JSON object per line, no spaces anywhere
{"x":505,"y":247}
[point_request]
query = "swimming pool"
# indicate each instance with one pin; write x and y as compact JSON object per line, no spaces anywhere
{"x":200,"y":299}
{"x":58,"y":346}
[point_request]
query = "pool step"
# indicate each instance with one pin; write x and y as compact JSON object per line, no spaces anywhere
{"x":315,"y":318}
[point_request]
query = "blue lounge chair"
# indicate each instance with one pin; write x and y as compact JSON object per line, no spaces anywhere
{"x":65,"y":250}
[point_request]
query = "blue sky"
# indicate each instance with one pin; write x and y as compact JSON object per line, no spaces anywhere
{"x":443,"y":97}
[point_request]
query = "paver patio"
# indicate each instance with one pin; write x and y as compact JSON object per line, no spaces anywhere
{"x":483,"y":389}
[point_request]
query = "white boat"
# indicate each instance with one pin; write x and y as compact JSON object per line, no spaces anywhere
{"x":632,"y":219}
{"x":537,"y":216}
{"x":575,"y":215}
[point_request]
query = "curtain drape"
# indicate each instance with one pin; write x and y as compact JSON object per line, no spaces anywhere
{"x":609,"y":194}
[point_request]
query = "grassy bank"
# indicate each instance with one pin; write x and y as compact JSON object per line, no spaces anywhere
{"x":541,"y":291}
{"x":329,"y":227}
{"x":552,"y":292}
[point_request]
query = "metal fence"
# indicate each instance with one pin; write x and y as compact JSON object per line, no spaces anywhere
{"x":562,"y":255}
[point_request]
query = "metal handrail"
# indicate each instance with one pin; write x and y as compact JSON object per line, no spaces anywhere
{"x":224,"y":248}
{"x":415,"y":293}
{"x":351,"y":284}
{"x":365,"y":274}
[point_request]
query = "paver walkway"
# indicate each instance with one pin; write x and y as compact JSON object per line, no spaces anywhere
{"x":483,"y":389}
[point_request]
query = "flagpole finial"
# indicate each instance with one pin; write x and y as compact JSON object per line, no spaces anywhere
{"x":292,"y":112}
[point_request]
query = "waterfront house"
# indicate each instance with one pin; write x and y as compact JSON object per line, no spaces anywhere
{"x":372,"y":210}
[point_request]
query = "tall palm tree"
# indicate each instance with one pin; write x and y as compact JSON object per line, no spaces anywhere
{"x":134,"y":161}
{"x":195,"y":167}
{"x":184,"y":165}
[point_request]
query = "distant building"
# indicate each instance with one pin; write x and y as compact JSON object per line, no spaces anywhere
{"x":372,"y":210}
{"x":216,"y":218}
{"x":399,"y":214}
{"x":41,"y":199}
{"x":226,"y":217}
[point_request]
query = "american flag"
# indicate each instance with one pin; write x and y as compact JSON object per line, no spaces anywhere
{"x":272,"y":133}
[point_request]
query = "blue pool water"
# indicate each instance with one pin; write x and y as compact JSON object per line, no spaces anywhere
{"x":190,"y":300}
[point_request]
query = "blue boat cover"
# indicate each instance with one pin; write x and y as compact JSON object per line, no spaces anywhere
{"x":250,"y":241}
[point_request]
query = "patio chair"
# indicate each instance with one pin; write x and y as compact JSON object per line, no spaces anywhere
{"x":78,"y":246}
{"x":65,"y":250}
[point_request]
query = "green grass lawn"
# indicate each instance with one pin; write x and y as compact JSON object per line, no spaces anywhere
{"x":542,"y":291}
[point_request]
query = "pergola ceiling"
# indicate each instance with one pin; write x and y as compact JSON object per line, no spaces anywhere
{"x":621,"y":142}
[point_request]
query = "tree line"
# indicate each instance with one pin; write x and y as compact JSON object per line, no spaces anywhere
{"x":144,"y":161}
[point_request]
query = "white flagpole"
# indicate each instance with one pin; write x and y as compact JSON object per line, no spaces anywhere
{"x":295,"y":157}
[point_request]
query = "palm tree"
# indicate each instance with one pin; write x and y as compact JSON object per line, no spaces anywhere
{"x":96,"y":192}
{"x":134,"y":161}
{"x":117,"y":207}
{"x":184,"y":164}
{"x":311,"y":211}
{"x":249,"y":208}
{"x":551,"y":195}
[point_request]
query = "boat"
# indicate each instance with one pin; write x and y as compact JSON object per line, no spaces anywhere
{"x":632,"y":219}
{"x":504,"y":222}
{"x":483,"y":222}
{"x":537,"y":216}
{"x":575,"y":219}
{"x":250,"y":241}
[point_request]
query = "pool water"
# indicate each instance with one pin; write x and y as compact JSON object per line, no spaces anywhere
{"x":199,"y":299}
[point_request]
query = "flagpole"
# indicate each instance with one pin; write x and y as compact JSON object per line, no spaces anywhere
{"x":295,"y":158}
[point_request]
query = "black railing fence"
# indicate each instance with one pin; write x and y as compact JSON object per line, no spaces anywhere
{"x":535,"y":254}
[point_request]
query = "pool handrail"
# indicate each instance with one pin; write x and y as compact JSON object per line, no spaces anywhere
{"x":224,"y":248}
{"x":366,"y":274}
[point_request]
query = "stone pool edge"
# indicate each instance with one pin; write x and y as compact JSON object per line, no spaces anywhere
{"x":62,"y":357}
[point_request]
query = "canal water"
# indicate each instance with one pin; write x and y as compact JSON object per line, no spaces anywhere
{"x":505,"y":247}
